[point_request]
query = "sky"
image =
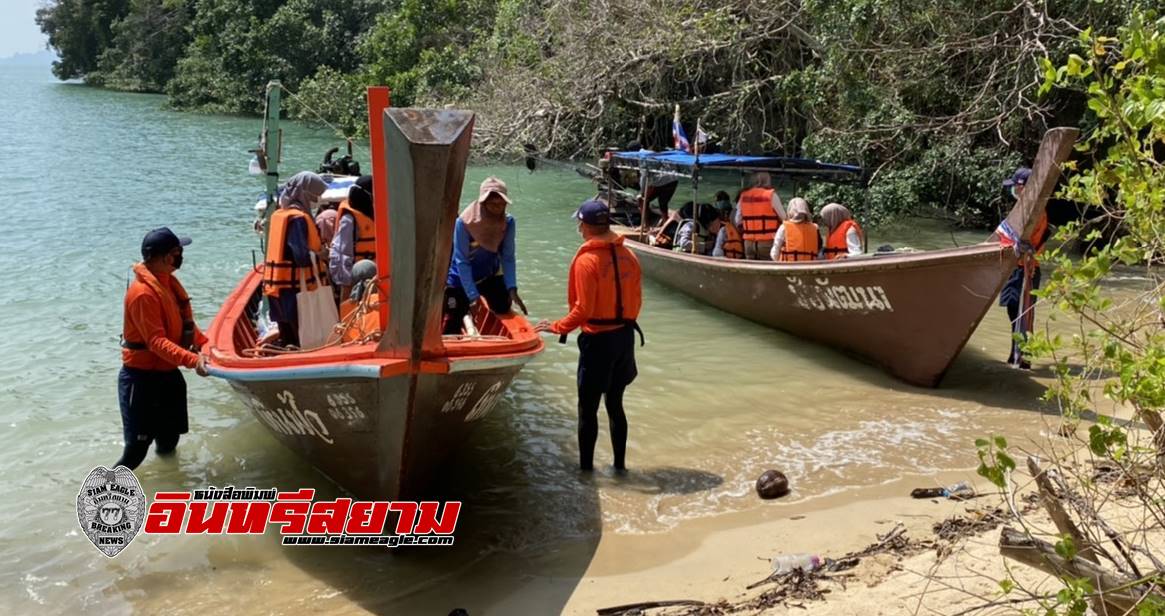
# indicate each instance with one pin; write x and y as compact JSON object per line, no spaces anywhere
{"x":18,"y":30}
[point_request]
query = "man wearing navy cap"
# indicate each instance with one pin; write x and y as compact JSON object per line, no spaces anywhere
{"x":604,"y":293}
{"x":158,"y":336}
{"x":1016,"y":295}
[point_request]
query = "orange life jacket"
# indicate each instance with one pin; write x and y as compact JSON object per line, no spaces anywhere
{"x":618,"y":287}
{"x":801,"y":241}
{"x":279,"y":271}
{"x":758,"y":221}
{"x":733,"y":242}
{"x":364,"y":246}
{"x":177,"y":318}
{"x":836,"y":247}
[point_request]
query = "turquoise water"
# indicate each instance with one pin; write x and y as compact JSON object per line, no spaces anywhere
{"x":87,"y":172}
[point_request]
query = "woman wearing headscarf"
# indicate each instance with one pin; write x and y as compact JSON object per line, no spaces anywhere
{"x":293,"y":244}
{"x":797,"y":239}
{"x":843,"y":235}
{"x":355,"y":238}
{"x":483,"y":264}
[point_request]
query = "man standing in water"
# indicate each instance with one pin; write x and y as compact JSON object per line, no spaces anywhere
{"x":605,"y":294}
{"x":1016,"y":295}
{"x":158,"y":336}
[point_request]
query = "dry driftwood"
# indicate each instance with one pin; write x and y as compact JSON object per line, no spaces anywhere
{"x":1051,"y":501}
{"x":647,"y":605}
{"x":1119,"y":595}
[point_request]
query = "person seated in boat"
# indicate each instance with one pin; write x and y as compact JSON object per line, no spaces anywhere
{"x":483,"y":267}
{"x":293,"y":249}
{"x":705,"y":226}
{"x":1016,"y":295}
{"x":355,"y":236}
{"x":759,"y":213}
{"x":359,"y":314}
{"x":326,"y":223}
{"x":843,"y":234}
{"x":797,"y":239}
{"x":664,"y":236}
{"x":729,"y":242}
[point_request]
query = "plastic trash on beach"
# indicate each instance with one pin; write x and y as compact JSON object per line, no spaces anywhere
{"x":958,"y":491}
{"x":787,"y":563}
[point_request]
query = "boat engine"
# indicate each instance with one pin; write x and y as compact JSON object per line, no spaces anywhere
{"x":343,"y":165}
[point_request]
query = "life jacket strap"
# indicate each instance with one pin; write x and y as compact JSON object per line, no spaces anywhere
{"x":133,"y":346}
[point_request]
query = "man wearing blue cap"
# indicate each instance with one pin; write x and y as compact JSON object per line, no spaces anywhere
{"x":158,"y":336}
{"x":1016,"y":295}
{"x":604,"y":292}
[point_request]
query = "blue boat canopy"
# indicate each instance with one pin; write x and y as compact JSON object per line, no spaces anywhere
{"x":683,"y":164}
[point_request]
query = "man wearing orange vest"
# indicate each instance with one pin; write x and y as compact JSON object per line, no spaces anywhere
{"x":158,"y":336}
{"x":605,"y":294}
{"x":759,"y":213}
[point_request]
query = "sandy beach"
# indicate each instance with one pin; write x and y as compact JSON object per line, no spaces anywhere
{"x":724,"y":555}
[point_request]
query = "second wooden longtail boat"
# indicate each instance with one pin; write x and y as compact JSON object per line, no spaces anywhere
{"x":378,"y":414}
{"x":910,"y":313}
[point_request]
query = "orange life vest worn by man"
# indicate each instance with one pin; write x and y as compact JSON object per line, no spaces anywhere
{"x":158,"y":336}
{"x":605,"y":294}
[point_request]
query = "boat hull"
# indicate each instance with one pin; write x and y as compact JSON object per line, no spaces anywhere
{"x":910,"y":314}
{"x":380,"y":438}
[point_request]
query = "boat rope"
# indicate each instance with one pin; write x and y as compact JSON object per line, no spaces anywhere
{"x":354,"y":322}
{"x":320,"y":117}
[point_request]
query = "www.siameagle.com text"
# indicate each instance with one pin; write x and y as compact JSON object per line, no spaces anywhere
{"x":391,"y":541}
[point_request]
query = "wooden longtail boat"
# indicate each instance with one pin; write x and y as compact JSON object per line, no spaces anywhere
{"x":911,"y":313}
{"x":378,"y":416}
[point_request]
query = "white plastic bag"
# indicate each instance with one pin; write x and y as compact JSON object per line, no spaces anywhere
{"x":317,"y":311}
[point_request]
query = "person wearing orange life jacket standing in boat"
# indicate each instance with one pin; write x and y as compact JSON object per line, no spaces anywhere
{"x":604,"y":291}
{"x":293,"y":253}
{"x":483,"y":264}
{"x":355,"y":238}
{"x":843,"y":234}
{"x":759,"y":213}
{"x":798,"y":238}
{"x":158,"y":336}
{"x":1016,"y":293}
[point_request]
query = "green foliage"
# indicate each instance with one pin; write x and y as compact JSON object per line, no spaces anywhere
{"x":80,"y":31}
{"x":994,"y":462}
{"x":1072,"y":598}
{"x":239,"y":45}
{"x":427,"y":48}
{"x":1122,"y":347}
{"x":147,"y":44}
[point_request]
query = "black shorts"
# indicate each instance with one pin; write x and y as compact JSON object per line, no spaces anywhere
{"x":606,"y":360}
{"x":153,"y":404}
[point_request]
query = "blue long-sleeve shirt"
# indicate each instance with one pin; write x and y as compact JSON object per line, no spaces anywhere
{"x":471,"y":263}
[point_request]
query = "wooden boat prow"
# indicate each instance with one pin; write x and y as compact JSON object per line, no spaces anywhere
{"x":910,"y":313}
{"x":379,"y":416}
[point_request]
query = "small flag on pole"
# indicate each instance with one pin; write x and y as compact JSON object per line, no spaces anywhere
{"x":679,"y":137}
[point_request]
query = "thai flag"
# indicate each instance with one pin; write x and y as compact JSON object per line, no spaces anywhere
{"x":679,"y":137}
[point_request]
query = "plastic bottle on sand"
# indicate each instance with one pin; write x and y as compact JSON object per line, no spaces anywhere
{"x":786,"y":563}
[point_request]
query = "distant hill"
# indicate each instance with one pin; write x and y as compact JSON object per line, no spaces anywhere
{"x":35,"y":58}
